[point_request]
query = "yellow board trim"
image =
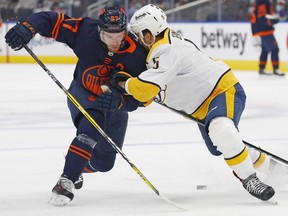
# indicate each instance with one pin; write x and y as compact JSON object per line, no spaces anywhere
{"x":238,"y":158}
{"x":44,"y":59}
{"x":253,"y":65}
{"x":235,"y":64}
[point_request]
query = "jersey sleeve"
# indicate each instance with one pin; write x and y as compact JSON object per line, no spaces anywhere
{"x":58,"y":26}
{"x":162,"y":64}
{"x":141,"y":90}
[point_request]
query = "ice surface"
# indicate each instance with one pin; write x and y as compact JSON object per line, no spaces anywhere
{"x":36,"y":130}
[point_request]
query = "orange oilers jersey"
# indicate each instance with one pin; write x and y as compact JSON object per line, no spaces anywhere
{"x":94,"y":60}
{"x":261,"y":26}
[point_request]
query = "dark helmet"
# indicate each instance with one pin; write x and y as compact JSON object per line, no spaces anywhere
{"x":112,"y":19}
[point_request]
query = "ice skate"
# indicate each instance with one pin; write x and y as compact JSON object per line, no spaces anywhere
{"x":62,"y":193}
{"x":263,"y":72}
{"x":257,"y":188}
{"x":278,"y":73}
{"x":79,"y":183}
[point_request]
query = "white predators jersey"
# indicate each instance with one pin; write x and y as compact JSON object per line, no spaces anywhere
{"x":178,"y":74}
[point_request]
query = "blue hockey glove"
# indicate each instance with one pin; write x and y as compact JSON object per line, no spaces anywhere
{"x":20,"y":34}
{"x":117,"y":76}
{"x":110,"y":100}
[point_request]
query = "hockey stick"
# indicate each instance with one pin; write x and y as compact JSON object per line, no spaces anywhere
{"x":98,"y":128}
{"x":245,"y":142}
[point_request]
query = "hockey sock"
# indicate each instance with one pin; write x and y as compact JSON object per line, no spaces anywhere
{"x":78,"y":155}
{"x":226,"y":137}
{"x":260,"y":161}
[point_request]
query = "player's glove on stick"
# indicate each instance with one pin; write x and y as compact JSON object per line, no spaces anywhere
{"x":110,"y":100}
{"x":118,"y":76}
{"x":20,"y":34}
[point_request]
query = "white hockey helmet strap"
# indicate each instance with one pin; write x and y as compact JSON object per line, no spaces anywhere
{"x":149,"y":17}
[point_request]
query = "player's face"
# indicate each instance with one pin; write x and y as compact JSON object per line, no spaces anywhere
{"x":113,"y":40}
{"x":146,"y":40}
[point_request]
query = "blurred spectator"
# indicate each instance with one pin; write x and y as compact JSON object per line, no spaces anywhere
{"x":236,"y":10}
{"x":206,"y":12}
{"x":133,"y":6}
{"x":59,"y":6}
{"x":182,"y":15}
{"x":281,"y":10}
{"x":24,"y":8}
{"x":3,"y":4}
{"x":7,"y":12}
{"x":43,"y":5}
{"x":218,"y":10}
{"x":75,"y":8}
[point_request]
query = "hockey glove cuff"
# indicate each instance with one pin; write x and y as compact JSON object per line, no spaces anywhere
{"x":20,"y":34}
{"x":110,"y":100}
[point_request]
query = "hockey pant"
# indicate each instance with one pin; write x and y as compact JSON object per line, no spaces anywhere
{"x":269,"y":44}
{"x":221,"y":134}
{"x":89,"y":150}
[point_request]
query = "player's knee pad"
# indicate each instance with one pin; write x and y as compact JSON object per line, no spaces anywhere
{"x":225,"y":136}
{"x":103,"y":162}
{"x":86,"y":140}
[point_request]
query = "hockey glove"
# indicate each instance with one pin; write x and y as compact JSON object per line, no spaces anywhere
{"x":110,"y":100}
{"x":274,"y":19}
{"x":118,"y":76}
{"x":20,"y":34}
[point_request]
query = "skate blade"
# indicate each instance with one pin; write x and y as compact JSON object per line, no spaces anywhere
{"x":272,"y":201}
{"x":59,"y":200}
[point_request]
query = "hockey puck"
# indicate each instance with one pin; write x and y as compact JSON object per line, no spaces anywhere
{"x":201,"y":187}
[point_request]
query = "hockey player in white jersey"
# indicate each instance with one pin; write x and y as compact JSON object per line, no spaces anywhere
{"x":180,"y":76}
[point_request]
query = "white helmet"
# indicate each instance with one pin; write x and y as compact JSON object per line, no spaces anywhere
{"x":148,"y":17}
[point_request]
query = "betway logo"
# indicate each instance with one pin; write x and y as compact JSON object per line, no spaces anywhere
{"x":223,"y":40}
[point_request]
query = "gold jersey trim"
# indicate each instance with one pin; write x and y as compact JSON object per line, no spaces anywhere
{"x":165,"y":40}
{"x":225,"y":84}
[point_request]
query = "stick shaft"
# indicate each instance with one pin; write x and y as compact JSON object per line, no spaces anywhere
{"x":90,"y":119}
{"x":245,"y":142}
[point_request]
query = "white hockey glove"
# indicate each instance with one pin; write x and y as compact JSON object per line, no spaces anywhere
{"x":273,"y":18}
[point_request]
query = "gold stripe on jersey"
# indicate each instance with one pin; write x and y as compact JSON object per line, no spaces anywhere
{"x":165,"y":40}
{"x":260,"y":160}
{"x":226,"y":83}
{"x":142,"y":91}
{"x":238,"y":158}
{"x":230,"y":97}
